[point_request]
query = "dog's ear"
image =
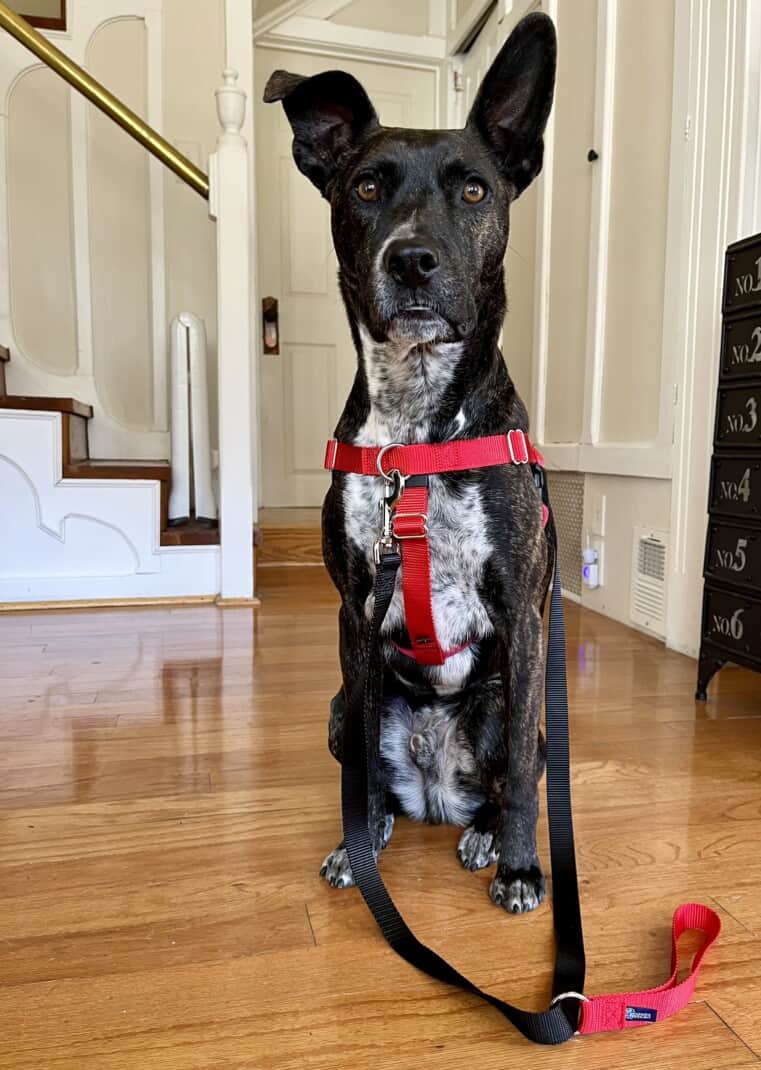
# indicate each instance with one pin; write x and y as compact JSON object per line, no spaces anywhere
{"x":515,"y":98}
{"x":328,"y":113}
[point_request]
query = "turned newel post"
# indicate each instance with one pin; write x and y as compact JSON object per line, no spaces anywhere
{"x":231,"y":102}
{"x":230,"y":205}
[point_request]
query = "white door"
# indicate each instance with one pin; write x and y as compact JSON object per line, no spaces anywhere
{"x":303,"y":389}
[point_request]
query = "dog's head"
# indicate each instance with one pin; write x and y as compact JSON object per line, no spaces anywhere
{"x":420,"y":217}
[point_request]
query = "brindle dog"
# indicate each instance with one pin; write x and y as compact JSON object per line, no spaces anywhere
{"x":420,"y":225}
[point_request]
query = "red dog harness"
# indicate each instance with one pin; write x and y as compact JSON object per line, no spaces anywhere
{"x":409,"y":467}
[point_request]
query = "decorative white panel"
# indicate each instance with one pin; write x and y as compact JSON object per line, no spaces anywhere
{"x":120,"y":232}
{"x":305,"y":222}
{"x":41,"y":247}
{"x":309,"y":379}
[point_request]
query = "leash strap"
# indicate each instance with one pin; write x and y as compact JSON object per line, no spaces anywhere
{"x":570,"y":1011}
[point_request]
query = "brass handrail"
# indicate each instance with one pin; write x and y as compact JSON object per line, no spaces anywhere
{"x":98,"y":95}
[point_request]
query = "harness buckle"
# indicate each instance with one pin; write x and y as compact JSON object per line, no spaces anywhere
{"x":401,"y":536}
{"x":521,"y":455}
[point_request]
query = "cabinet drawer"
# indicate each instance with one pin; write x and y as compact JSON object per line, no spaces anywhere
{"x":736,"y":487}
{"x":741,"y":347}
{"x":733,"y":555}
{"x":738,"y":416}
{"x":742,"y":275}
{"x":732,"y":621}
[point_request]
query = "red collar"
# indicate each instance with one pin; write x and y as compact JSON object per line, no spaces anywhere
{"x":409,"y":524}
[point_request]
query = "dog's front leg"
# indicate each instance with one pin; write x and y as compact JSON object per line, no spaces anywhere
{"x":354,"y":630}
{"x":519,"y":883}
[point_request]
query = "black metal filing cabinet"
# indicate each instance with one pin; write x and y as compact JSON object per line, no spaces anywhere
{"x":731,"y":623}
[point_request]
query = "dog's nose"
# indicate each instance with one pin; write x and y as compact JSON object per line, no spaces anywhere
{"x":411,"y":263}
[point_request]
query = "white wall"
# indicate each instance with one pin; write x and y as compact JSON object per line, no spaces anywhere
{"x":126,"y":245}
{"x":593,"y":365}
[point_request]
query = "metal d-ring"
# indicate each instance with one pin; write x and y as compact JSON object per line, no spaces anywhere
{"x":570,"y":995}
{"x":388,"y":476}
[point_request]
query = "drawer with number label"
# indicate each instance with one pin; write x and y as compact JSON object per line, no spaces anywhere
{"x":733,"y":555}
{"x":741,"y":347}
{"x":736,"y":487}
{"x":742,"y":275}
{"x":733,"y":622}
{"x":738,"y":416}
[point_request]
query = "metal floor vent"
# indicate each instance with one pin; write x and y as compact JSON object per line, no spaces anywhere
{"x":648,"y":590}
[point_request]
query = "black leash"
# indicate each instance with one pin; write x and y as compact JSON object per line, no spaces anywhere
{"x":362,"y":729}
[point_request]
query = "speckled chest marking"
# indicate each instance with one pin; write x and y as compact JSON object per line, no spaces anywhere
{"x":406,"y":397}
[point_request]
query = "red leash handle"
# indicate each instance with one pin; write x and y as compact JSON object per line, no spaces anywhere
{"x":602,"y":1014}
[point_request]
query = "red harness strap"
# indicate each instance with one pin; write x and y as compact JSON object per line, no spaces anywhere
{"x":425,"y":459}
{"x":410,"y":522}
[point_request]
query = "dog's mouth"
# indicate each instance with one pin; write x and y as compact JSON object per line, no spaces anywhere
{"x":421,"y":323}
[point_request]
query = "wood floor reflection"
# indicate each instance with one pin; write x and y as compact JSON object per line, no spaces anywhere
{"x":167,"y":797}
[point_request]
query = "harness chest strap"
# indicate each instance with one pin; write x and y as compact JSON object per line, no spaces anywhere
{"x":410,"y":525}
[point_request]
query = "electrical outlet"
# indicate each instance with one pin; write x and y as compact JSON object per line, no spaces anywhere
{"x":598,"y":515}
{"x":599,"y":545}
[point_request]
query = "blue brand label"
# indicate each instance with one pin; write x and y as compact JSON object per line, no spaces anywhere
{"x":641,"y":1014}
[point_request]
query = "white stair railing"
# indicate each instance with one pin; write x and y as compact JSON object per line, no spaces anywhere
{"x":229,"y":205}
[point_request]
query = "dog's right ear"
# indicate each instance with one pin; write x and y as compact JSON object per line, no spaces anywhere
{"x":329,"y":113}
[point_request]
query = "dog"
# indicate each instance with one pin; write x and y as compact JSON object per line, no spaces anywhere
{"x":420,"y":222}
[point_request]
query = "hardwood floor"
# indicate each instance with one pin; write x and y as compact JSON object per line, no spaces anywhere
{"x":167,"y":797}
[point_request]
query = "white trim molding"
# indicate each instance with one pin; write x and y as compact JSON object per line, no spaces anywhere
{"x":310,"y":33}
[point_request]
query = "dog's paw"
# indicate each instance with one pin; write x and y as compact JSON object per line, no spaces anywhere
{"x":388,"y":828}
{"x":336,"y":869}
{"x":518,"y":890}
{"x":477,"y":850}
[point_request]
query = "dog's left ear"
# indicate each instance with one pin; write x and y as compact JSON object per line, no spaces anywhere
{"x":515,"y":98}
{"x":328,"y":113}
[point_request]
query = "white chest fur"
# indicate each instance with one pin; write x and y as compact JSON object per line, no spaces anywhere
{"x":459,"y":549}
{"x":406,"y":386}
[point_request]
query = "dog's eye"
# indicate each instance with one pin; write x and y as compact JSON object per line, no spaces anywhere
{"x":368,"y":189}
{"x":473,"y":191}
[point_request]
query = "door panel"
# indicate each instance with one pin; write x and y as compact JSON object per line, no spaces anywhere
{"x":638,"y":219}
{"x":304,"y":388}
{"x":571,"y":216}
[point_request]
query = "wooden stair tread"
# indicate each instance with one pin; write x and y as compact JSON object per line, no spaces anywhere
{"x":103,"y":468}
{"x":34,"y":404}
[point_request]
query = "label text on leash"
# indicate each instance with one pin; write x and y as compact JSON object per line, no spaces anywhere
{"x":641,"y":1014}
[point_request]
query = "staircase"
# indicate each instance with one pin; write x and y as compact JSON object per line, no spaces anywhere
{"x":77,"y":529}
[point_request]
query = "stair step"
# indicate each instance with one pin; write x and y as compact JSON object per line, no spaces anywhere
{"x":290,"y":537}
{"x":77,"y":463}
{"x":33,"y":404}
{"x":190,"y":534}
{"x":106,"y":469}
